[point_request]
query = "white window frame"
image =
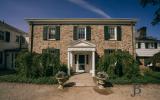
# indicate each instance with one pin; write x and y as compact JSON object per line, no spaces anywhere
{"x":151,"y":45}
{"x":48,"y":31}
{"x":115,"y":33}
{"x":85,"y":34}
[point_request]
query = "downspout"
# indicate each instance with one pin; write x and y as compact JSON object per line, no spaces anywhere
{"x":133,"y":41}
{"x":32,"y":30}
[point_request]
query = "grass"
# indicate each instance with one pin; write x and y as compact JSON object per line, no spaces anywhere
{"x":149,"y":77}
{"x":11,"y":76}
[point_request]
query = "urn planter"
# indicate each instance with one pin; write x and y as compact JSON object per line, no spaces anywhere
{"x":61,"y":77}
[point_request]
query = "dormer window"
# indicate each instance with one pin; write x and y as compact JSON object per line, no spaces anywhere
{"x":81,"y":33}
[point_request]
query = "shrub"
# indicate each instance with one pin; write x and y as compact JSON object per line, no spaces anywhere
{"x":33,"y":65}
{"x":156,"y":61}
{"x":119,"y":64}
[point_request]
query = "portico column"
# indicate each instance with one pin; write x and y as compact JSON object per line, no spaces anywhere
{"x":93,"y":63}
{"x":69,"y":63}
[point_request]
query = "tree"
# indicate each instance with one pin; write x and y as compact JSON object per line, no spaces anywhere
{"x":156,"y":19}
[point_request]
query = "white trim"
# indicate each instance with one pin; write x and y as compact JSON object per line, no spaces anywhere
{"x":115,"y":33}
{"x":85,"y":34}
{"x":81,"y":49}
{"x":93,"y":63}
{"x":69,"y":63}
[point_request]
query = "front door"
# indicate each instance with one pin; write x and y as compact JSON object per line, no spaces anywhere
{"x":81,"y":63}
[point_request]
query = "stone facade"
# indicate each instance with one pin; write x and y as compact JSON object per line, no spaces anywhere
{"x":97,"y":38}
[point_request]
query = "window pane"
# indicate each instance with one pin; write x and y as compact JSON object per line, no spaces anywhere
{"x":52,"y":33}
{"x":81,"y":32}
{"x":112,"y":33}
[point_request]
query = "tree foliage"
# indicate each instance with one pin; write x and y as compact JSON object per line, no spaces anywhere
{"x":156,"y":3}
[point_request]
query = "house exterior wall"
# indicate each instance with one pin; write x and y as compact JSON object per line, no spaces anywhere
{"x":97,"y":38}
{"x":12,"y":44}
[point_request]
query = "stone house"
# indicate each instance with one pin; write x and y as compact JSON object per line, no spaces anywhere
{"x":80,"y":42}
{"x":12,"y":40}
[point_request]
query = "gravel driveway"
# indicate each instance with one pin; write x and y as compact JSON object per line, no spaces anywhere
{"x":14,"y":91}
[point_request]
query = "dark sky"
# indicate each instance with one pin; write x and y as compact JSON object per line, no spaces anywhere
{"x":15,"y":11}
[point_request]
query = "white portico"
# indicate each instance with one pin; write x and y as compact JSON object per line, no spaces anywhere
{"x":81,"y":57}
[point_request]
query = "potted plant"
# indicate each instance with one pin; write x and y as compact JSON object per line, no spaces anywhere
{"x":101,"y":78}
{"x":61,"y":77}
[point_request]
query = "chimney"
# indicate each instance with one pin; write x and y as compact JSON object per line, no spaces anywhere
{"x":142,"y":32}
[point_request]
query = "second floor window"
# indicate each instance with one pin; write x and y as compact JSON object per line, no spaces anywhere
{"x":2,"y":35}
{"x":113,"y":33}
{"x":17,"y":39}
{"x":81,"y":33}
{"x":52,"y":33}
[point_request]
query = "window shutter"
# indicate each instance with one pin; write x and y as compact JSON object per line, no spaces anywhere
{"x":88,"y":34}
{"x":7,"y":36}
{"x":155,"y":45}
{"x":106,"y":33}
{"x":146,"y":45}
{"x":44,"y":50}
{"x":75,"y":33}
{"x":57,"y":32}
{"x":106,"y":51}
{"x":45,"y":32}
{"x":139,"y":45}
{"x":119,"y":33}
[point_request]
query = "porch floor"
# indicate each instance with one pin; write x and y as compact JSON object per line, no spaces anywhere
{"x":82,"y":79}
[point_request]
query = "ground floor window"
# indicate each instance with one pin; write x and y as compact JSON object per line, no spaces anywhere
{"x":1,"y":57}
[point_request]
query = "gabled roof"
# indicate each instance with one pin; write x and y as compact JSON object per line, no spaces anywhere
{"x":82,"y":44}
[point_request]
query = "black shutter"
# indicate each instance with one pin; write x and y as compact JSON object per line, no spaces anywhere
{"x":75,"y":33}
{"x":45,"y":32}
{"x":139,"y":45}
{"x":119,"y":33}
{"x":155,"y":45}
{"x":88,"y":33}
{"x":7,"y":36}
{"x":106,"y":33}
{"x":57,"y":32}
{"x":146,"y":45}
{"x":44,"y":50}
{"x":106,"y":51}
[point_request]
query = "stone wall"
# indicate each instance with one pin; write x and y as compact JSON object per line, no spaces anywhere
{"x":97,"y":37}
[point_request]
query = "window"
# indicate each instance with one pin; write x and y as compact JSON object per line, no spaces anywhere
{"x":1,"y":57}
{"x":81,"y":33}
{"x":2,"y":35}
{"x":138,"y":45}
{"x":112,"y":31}
{"x":17,"y":39}
{"x":22,"y":40}
{"x":52,"y":33}
{"x":150,"y":45}
{"x":109,"y":51}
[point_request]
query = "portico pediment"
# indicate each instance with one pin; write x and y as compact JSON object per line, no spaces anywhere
{"x":82,"y":43}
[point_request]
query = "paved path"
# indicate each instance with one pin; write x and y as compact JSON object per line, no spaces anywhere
{"x":83,"y":79}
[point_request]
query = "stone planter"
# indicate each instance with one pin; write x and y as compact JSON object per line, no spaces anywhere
{"x":101,"y":78}
{"x":61,"y":77}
